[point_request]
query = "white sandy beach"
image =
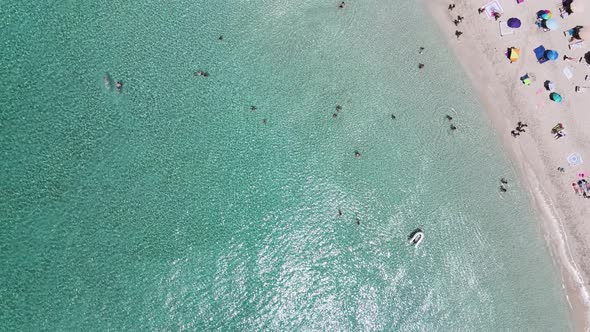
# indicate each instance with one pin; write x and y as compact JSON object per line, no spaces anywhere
{"x":536,"y":153}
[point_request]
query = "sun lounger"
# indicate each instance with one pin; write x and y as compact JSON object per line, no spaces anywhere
{"x":563,"y":12}
{"x":493,"y":7}
{"x":567,"y":71}
{"x":576,"y":44}
{"x":540,"y":54}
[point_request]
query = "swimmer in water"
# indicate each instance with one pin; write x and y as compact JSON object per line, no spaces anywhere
{"x":420,"y":65}
{"x":252,"y":108}
{"x":453,"y":127}
{"x":339,"y":213}
{"x":342,"y":5}
{"x":338,"y":108}
{"x":119,"y":86}
{"x":450,"y":118}
{"x":393,"y":117}
{"x":357,"y":154}
{"x":107,"y":81}
{"x":335,"y":115}
{"x":263,"y":121}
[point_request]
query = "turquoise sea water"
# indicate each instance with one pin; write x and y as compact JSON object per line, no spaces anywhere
{"x":172,"y":206}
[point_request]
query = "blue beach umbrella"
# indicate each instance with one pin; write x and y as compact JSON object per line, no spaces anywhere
{"x":514,"y":23}
{"x":551,"y":24}
{"x":556,"y":97}
{"x":552,"y":55}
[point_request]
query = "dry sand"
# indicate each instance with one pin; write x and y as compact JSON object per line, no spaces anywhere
{"x":536,"y":153}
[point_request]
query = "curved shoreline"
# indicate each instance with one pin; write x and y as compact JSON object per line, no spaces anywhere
{"x":479,"y":51}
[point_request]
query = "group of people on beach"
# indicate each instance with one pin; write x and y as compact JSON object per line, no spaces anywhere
{"x":519,"y":129}
{"x":456,"y":21}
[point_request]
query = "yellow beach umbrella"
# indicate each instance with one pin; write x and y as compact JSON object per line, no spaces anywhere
{"x":514,"y":54}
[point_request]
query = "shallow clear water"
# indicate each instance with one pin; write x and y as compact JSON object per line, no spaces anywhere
{"x":173,"y":206}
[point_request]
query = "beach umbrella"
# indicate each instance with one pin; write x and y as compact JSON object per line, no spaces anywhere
{"x":556,"y":97}
{"x":544,"y":14}
{"x":514,"y":23}
{"x":513,"y":54}
{"x":551,"y":55}
{"x":551,"y":24}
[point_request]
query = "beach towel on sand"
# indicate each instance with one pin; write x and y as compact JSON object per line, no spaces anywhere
{"x":574,"y":159}
{"x":505,"y":29}
{"x":567,"y":71}
{"x":493,"y":7}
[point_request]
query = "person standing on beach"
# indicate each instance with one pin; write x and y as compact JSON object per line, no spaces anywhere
{"x":458,"y":33}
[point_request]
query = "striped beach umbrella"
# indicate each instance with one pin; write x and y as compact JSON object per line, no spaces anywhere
{"x":514,"y":54}
{"x":544,"y":14}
